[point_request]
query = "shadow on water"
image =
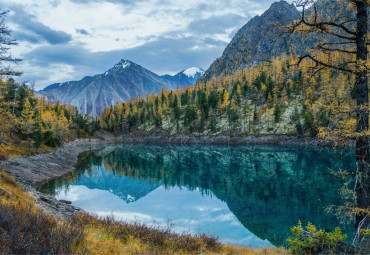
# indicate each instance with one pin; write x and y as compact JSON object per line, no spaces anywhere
{"x":268,"y":189}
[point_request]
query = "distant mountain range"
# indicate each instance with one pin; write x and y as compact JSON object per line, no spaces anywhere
{"x":127,"y":189}
{"x":123,"y":81}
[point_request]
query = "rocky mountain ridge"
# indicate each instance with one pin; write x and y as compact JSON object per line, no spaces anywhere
{"x":123,"y":81}
{"x":259,"y":40}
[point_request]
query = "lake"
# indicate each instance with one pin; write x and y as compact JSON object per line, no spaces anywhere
{"x":245,"y":195}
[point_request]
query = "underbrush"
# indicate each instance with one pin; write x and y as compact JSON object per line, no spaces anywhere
{"x":26,"y":230}
{"x":16,"y":147}
{"x":314,"y":241}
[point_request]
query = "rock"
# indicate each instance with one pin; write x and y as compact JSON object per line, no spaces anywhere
{"x":65,"y":202}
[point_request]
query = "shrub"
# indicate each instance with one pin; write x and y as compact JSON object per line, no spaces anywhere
{"x":26,"y":230}
{"x":314,"y":241}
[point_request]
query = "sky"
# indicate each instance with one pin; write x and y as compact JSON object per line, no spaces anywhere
{"x":64,"y":40}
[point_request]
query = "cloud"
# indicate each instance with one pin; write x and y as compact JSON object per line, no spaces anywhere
{"x":61,"y":40}
{"x":124,"y":2}
{"x":82,"y":31}
{"x":216,"y":24}
{"x":33,"y":31}
{"x":164,"y":55}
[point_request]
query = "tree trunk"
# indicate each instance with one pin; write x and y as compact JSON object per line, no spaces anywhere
{"x":362,"y":142}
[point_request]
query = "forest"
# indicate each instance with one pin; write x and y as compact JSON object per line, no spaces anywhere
{"x":275,"y":97}
{"x":30,"y":124}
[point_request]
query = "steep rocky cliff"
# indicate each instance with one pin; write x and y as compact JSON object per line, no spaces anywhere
{"x":259,"y":40}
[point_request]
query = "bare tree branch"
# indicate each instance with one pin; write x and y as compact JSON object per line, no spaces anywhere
{"x":319,"y":62}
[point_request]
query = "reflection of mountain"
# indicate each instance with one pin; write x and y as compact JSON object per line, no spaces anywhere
{"x":267,"y":188}
{"x":128,"y":189}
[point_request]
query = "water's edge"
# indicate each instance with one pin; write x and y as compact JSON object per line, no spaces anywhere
{"x":31,"y":171}
{"x":165,"y":139}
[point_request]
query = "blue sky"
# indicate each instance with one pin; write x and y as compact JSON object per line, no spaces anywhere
{"x":62,"y":40}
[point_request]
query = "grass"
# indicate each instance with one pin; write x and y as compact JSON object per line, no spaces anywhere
{"x":108,"y":236}
{"x":25,"y":229}
{"x":15,"y":147}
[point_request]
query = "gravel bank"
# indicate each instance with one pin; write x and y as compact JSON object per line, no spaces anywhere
{"x":29,"y":171}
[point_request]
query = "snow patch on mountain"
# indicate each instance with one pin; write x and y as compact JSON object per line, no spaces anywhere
{"x":192,"y":71}
{"x":125,"y":64}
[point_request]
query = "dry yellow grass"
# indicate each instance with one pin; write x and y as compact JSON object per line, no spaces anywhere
{"x":227,"y":249}
{"x":11,"y":192}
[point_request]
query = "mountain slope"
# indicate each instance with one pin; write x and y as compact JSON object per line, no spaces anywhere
{"x":258,"y":41}
{"x":122,"y":82}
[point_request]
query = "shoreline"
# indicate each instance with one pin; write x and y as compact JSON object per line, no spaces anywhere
{"x":159,"y":138}
{"x":30,"y":171}
{"x":284,"y":140}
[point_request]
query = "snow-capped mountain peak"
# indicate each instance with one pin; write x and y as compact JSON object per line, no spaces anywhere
{"x":192,"y":71}
{"x":121,"y":65}
{"x":125,"y":64}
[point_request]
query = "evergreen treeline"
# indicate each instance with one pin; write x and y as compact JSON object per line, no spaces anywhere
{"x":276,"y":97}
{"x":29,"y":123}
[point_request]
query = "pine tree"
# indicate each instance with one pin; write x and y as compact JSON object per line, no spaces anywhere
{"x":27,"y":124}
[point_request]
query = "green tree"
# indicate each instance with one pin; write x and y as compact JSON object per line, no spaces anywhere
{"x":190,"y":114}
{"x":277,"y":112}
{"x":27,"y":121}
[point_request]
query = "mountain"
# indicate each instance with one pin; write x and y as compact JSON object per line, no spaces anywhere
{"x":127,"y":189}
{"x":186,"y":77}
{"x":124,"y":81}
{"x":259,"y":40}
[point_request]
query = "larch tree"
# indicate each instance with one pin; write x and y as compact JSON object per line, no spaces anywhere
{"x":341,"y":29}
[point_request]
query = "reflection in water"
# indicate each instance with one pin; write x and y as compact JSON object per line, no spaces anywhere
{"x":242,"y":194}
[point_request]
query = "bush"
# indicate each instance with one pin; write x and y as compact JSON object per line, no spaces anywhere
{"x":314,"y":241}
{"x":26,"y":230}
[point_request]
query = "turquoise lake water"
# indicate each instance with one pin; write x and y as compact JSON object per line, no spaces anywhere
{"x":247,"y":195}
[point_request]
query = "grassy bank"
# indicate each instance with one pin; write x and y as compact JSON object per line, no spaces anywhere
{"x":25,"y":229}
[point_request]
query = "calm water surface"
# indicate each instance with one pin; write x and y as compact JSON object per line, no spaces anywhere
{"x":248,"y":196}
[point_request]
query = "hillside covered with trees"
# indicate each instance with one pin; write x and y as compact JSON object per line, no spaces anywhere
{"x":276,"y":97}
{"x":30,"y":124}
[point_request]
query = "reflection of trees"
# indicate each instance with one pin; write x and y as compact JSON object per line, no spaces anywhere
{"x":268,"y":189}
